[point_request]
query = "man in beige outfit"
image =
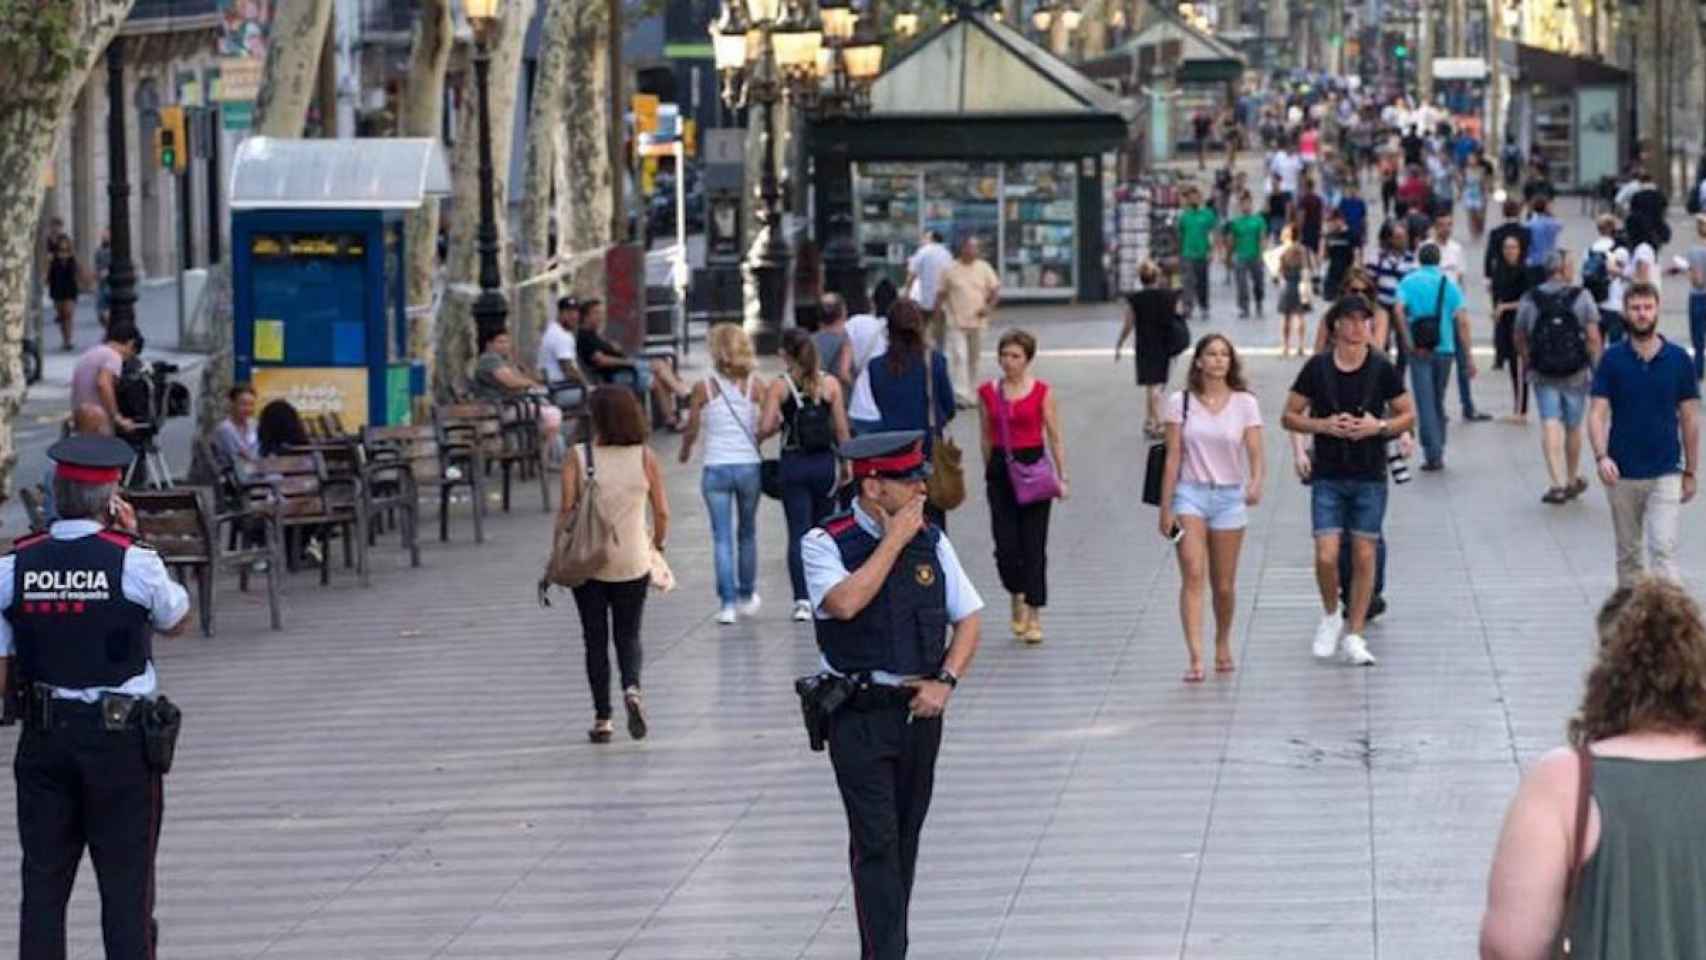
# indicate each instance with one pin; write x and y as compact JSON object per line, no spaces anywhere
{"x":969,"y":292}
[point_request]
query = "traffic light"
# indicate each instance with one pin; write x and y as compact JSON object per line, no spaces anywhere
{"x":171,"y":146}
{"x":1401,"y":52}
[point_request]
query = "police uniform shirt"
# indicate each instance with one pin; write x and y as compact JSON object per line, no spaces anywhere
{"x":824,"y":569}
{"x":146,"y":583}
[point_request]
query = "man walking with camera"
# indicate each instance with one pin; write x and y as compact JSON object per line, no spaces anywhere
{"x":81,"y":602}
{"x":885,"y":588}
{"x":95,"y":378}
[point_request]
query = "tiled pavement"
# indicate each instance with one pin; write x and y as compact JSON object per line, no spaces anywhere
{"x":403,"y":772}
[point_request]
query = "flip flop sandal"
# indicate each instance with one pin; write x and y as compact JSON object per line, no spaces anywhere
{"x":1224,"y":666}
{"x":1194,"y":675}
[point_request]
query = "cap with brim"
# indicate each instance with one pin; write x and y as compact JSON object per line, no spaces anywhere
{"x":1353,"y":305}
{"x":93,"y":460}
{"x":894,"y":454}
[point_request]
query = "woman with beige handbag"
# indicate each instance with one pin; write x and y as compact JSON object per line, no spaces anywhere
{"x":910,"y":385}
{"x":617,"y":476}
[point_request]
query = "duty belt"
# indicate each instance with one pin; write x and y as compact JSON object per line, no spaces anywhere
{"x":878,"y":696}
{"x":113,"y":711}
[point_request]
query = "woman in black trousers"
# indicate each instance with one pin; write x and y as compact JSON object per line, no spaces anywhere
{"x":1018,"y":413}
{"x":806,"y":405}
{"x":611,"y":602}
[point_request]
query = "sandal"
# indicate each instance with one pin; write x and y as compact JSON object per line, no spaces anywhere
{"x":636,"y":708}
{"x":1224,"y":666}
{"x":1576,"y":488}
{"x":1194,"y":675}
{"x":602,"y":730}
{"x":1554,"y":495}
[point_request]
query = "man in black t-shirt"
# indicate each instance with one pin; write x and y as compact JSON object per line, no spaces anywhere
{"x":1352,"y":401}
{"x":608,"y":363}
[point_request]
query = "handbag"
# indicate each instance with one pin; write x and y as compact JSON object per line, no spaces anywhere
{"x":662,"y":577}
{"x":1031,"y":482}
{"x":769,"y":468}
{"x":1425,"y":331}
{"x":582,"y":541}
{"x":1157,"y":463}
{"x":946,"y":485}
{"x":1573,"y":880}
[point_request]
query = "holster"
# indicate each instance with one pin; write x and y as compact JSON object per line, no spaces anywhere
{"x":161,"y":720}
{"x":821,"y":694}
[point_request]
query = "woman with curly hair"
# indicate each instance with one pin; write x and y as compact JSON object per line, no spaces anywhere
{"x":1604,"y":846}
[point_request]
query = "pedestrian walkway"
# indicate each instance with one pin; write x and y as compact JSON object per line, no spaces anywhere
{"x":404,"y":773}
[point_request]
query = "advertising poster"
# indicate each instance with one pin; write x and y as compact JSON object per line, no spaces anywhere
{"x":316,"y":390}
{"x":242,"y":58}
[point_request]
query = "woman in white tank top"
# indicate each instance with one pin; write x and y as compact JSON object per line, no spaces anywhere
{"x":726,"y":407}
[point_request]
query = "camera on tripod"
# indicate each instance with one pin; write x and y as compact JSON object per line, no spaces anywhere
{"x":148,"y":396}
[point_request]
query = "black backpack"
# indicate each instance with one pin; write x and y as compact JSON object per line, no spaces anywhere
{"x":1558,"y":346}
{"x":1596,"y":275}
{"x":813,"y":425}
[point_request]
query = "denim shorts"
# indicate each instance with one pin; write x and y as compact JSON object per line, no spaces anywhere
{"x":1561,"y":403}
{"x":1220,"y":505}
{"x":1357,"y":506}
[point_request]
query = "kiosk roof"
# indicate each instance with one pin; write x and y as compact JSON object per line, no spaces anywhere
{"x":271,"y":173}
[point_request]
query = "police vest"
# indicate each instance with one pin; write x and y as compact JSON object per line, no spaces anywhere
{"x":904,"y":629}
{"x":72,"y":625}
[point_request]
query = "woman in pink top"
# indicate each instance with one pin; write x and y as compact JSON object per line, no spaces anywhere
{"x":1214,"y":472}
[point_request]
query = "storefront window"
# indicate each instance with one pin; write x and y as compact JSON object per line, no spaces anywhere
{"x":962,"y":200}
{"x":889,"y":211}
{"x":1040,"y":226}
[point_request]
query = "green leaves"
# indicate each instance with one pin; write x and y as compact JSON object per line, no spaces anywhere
{"x":39,"y":39}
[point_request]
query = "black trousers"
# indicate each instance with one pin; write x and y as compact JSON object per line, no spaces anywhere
{"x":1020,"y":532}
{"x":611,"y":609}
{"x":82,"y":785}
{"x":886,"y":769}
{"x":808,"y":480}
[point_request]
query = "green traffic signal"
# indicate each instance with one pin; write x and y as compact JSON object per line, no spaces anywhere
{"x":1400,"y":51}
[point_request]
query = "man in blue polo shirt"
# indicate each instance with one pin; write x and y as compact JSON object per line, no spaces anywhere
{"x":1646,"y":442}
{"x":1435,"y":324}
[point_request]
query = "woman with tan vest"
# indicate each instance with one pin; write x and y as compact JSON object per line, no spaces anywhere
{"x":610,"y":604}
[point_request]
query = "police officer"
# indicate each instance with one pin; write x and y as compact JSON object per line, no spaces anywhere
{"x":80,"y":603}
{"x":885,"y":587}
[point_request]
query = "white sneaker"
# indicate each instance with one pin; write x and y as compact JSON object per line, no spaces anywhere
{"x":1327,"y":635}
{"x":749,"y":606}
{"x":726,"y":615}
{"x":802,"y":610}
{"x":1356,"y":651}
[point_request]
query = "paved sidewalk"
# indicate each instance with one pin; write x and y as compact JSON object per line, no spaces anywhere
{"x":403,"y":772}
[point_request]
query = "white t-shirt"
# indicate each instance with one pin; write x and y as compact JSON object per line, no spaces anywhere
{"x":869,"y":336}
{"x":555,"y":345}
{"x":1643,"y":254}
{"x":1288,"y":165}
{"x":927,"y":265}
{"x":1451,"y":260}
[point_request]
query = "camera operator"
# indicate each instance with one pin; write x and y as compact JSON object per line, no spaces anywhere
{"x":95,"y":379}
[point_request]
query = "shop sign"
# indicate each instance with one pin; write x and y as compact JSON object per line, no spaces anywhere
{"x":315,"y":390}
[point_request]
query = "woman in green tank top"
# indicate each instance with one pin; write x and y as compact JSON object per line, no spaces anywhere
{"x":1640,"y":736}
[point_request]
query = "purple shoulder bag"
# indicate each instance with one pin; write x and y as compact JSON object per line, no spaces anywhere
{"x":1031,"y":482}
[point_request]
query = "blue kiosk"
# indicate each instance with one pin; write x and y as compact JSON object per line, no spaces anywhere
{"x":318,"y":272}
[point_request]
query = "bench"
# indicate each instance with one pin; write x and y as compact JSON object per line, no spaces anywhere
{"x":311,"y":500}
{"x":512,"y":446}
{"x":431,"y":461}
{"x":181,"y":525}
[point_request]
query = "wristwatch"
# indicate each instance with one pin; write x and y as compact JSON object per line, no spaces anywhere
{"x":946,"y":676}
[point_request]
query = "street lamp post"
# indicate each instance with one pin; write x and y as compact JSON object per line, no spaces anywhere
{"x":121,"y":269}
{"x":491,"y":309}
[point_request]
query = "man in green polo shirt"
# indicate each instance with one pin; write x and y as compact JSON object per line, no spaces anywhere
{"x":1196,"y":243}
{"x":1244,"y":235}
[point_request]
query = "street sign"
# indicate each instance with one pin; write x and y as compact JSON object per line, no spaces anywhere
{"x":240,"y":78}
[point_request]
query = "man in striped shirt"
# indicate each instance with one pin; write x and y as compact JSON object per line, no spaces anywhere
{"x":1394,"y":263}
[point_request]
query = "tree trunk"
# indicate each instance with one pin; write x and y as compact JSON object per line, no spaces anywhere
{"x":456,"y":332}
{"x":423,"y":116}
{"x":297,"y":38}
{"x":588,"y":189}
{"x":540,"y":185}
{"x":46,"y":65}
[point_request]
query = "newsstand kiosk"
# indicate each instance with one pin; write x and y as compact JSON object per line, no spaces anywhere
{"x":318,"y":272}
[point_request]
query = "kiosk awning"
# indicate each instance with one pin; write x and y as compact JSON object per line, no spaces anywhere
{"x":272,"y":173}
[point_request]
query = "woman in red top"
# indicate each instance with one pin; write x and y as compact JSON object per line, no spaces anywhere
{"x":1027,"y":406}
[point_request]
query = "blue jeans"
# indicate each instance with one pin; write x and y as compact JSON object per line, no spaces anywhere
{"x":728,"y":486}
{"x":1465,"y":399}
{"x":808,"y":481}
{"x":1697,"y":331}
{"x":1429,"y":374}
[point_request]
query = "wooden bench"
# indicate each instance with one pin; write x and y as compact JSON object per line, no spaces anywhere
{"x":432,"y":461}
{"x":309,"y":499}
{"x":35,"y":505}
{"x":182,"y":526}
{"x":511,"y":447}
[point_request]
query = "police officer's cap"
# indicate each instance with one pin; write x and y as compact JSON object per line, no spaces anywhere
{"x":896,"y":454}
{"x":90,"y":459}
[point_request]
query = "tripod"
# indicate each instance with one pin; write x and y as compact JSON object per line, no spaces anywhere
{"x":149,"y":469}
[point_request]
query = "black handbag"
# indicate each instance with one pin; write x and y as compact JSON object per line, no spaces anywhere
{"x":769,"y":468}
{"x":1157,"y":465}
{"x":1425,"y":331}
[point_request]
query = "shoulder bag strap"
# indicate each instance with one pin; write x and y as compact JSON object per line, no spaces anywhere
{"x":930,"y":390}
{"x":1572,"y":880}
{"x":750,"y":436}
{"x":1439,"y":299}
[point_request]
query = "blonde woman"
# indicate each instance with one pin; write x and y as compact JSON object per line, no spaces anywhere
{"x":726,"y":406}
